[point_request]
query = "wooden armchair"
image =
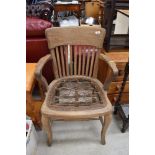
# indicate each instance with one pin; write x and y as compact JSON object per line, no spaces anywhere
{"x":75,"y":93}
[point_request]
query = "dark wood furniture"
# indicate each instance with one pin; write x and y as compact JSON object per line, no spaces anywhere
{"x":76,"y":93}
{"x":120,"y":57}
{"x":118,"y":109}
{"x":67,"y":7}
{"x":114,"y":40}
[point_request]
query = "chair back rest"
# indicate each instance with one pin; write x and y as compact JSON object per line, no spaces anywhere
{"x":75,"y":50}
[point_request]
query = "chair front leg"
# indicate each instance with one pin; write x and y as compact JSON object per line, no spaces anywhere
{"x":107,"y":120}
{"x":47,"y":128}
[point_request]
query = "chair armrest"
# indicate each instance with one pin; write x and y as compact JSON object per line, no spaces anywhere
{"x":38,"y":73}
{"x":113,"y":72}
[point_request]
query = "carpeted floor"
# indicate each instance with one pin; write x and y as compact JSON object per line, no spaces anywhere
{"x":83,"y":138}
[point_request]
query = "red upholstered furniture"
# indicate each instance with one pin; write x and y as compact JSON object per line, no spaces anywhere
{"x":36,"y":43}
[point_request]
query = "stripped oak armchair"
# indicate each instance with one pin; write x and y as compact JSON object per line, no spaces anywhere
{"x":75,"y":93}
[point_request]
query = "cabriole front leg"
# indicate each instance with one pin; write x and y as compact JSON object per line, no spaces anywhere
{"x":47,"y":128}
{"x":107,"y":120}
